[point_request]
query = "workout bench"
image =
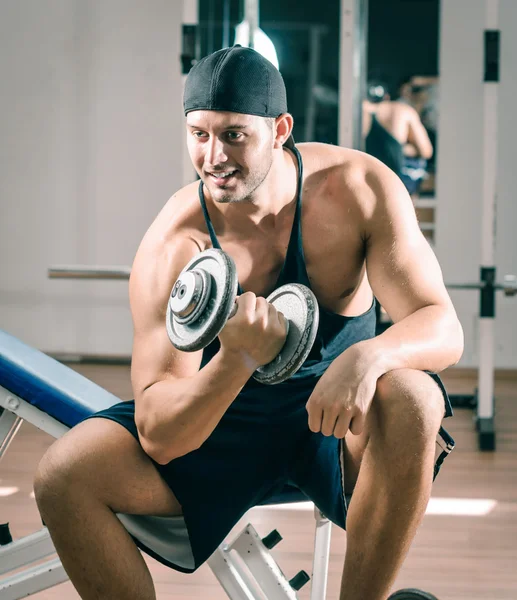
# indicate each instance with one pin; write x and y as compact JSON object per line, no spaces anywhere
{"x":54,"y":398}
{"x":37,"y":388}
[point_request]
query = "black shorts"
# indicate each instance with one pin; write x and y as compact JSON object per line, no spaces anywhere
{"x":244,"y":463}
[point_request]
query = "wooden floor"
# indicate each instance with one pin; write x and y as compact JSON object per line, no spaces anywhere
{"x":454,"y":557}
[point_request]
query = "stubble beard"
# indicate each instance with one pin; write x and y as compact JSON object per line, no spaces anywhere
{"x":253,"y":182}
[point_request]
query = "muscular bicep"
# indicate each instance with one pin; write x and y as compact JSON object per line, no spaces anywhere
{"x":401,"y":266}
{"x":154,"y":358}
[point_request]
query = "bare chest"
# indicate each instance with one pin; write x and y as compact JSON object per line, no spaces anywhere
{"x":333,"y":253}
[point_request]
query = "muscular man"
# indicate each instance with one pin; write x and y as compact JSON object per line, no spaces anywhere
{"x":205,"y":441}
{"x":395,"y":135}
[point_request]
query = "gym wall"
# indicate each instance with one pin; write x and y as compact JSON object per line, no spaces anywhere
{"x":460,"y":167}
{"x":91,"y":129}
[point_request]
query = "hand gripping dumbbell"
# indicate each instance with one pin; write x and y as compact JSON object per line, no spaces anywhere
{"x":203,"y":299}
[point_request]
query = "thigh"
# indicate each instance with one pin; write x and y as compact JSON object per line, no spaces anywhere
{"x":101,"y":457}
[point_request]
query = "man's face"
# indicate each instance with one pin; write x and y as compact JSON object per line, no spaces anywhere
{"x":231,"y":152}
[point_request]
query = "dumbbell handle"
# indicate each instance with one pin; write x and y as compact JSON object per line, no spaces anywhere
{"x":191,"y":329}
{"x":234,"y":311}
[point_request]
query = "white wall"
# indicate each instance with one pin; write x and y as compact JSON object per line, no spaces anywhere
{"x":90,"y":149}
{"x":506,"y":223}
{"x":460,"y":167}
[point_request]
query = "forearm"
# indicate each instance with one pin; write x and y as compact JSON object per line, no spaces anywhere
{"x":177,"y":416}
{"x":430,"y":339}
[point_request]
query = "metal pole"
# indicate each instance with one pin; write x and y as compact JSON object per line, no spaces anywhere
{"x":226,"y":24}
{"x":320,"y":566}
{"x":87,"y":272}
{"x":488,"y":271}
{"x":251,"y":16}
{"x":314,"y":66}
{"x":361,"y":32}
{"x":352,"y":71}
{"x":211,"y":25}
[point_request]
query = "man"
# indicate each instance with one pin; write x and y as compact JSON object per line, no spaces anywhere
{"x":205,"y":441}
{"x":395,"y":135}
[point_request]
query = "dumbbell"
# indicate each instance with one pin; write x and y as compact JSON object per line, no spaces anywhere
{"x":412,"y":594}
{"x":203,"y":299}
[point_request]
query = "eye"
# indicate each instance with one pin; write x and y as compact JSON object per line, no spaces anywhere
{"x":199,"y":134}
{"x":234,"y":136}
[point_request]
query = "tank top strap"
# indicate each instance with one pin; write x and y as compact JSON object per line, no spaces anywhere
{"x":294,"y":269}
{"x":210,"y":227}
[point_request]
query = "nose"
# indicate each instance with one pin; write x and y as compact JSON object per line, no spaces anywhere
{"x":215,"y":152}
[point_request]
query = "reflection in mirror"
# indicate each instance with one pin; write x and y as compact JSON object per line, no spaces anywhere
{"x":306,"y":42}
{"x":400,"y":105}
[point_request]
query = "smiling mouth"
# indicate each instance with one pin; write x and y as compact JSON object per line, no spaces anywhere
{"x":222,"y":178}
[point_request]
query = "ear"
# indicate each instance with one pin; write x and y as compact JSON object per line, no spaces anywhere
{"x":283,"y":128}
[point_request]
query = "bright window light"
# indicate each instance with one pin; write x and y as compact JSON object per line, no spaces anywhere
{"x":261,"y":42}
{"x":465,"y":507}
{"x":7,"y":491}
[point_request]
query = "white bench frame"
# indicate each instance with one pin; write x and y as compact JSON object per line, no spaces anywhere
{"x":244,"y":567}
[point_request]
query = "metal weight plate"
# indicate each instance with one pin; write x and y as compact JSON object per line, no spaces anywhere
{"x":299,"y":306}
{"x":219,"y":278}
{"x":411,"y":594}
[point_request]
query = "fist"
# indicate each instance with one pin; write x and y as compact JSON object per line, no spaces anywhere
{"x":256,"y":330}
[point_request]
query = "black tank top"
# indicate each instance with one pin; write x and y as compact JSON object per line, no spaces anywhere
{"x":335,"y":332}
{"x":380,"y":143}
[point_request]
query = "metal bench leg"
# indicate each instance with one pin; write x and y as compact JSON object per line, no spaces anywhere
{"x":320,"y":566}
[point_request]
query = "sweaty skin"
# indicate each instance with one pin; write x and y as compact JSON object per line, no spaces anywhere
{"x":359,"y":232}
{"x":360,"y":238}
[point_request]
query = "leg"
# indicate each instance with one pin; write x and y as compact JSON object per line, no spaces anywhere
{"x":96,"y":470}
{"x":390,"y":468}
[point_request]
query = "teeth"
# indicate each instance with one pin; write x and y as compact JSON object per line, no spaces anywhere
{"x":223,"y":175}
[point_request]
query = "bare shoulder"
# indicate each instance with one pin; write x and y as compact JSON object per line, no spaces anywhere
{"x":175,"y":236}
{"x":350,"y":179}
{"x":406,"y":110}
{"x":180,"y":216}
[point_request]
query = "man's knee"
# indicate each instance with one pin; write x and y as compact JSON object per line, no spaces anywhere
{"x":409,"y":402}
{"x":55,"y":473}
{"x":71,"y":464}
